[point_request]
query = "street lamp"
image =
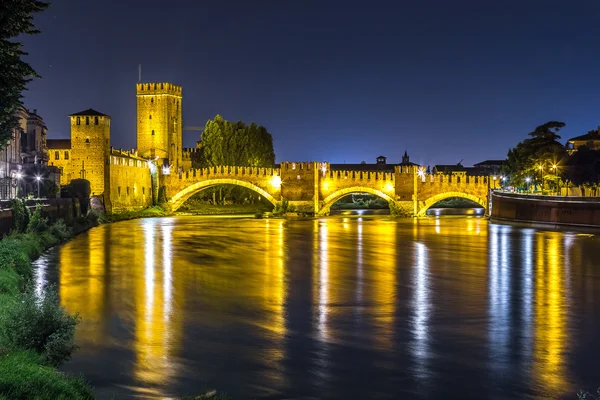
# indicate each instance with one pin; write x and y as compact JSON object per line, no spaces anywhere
{"x":527,"y":180}
{"x":38,"y":179}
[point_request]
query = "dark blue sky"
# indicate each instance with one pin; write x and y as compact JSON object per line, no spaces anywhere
{"x":336,"y":81}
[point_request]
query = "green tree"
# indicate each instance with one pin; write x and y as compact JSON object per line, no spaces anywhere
{"x":234,"y":144}
{"x":16,"y":18}
{"x":541,"y":149}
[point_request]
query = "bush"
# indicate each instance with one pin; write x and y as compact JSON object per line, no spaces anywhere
{"x":41,"y":325}
{"x":13,"y":256}
{"x":22,"y":376}
{"x":9,"y":282}
{"x":37,"y":223}
{"x":20,"y":213}
{"x":60,"y":230}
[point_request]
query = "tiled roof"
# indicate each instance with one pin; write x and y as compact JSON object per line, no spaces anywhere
{"x":592,"y":135}
{"x":89,"y":112}
{"x":53,"y":144}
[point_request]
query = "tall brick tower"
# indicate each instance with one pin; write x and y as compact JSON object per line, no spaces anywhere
{"x":90,"y":143}
{"x":159,"y":131}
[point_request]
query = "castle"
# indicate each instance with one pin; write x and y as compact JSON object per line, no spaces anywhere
{"x":124,"y":178}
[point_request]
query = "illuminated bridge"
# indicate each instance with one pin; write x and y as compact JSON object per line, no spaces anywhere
{"x":314,"y":186}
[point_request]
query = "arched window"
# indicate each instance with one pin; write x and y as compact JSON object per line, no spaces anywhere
{"x":87,"y":139}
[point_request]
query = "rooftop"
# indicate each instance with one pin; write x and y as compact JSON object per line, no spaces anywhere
{"x":89,"y":112}
{"x":54,"y":144}
{"x":489,"y":163}
{"x":591,"y":135}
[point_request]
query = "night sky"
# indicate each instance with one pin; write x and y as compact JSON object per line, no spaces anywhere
{"x":336,"y":81}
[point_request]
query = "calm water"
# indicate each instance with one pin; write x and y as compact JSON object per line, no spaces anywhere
{"x":337,"y":308}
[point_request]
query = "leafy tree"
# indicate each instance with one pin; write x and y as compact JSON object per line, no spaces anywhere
{"x":16,"y":18}
{"x":234,"y":144}
{"x":542,"y":148}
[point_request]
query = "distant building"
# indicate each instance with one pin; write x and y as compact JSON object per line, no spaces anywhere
{"x":452,"y":169}
{"x":380,"y":165}
{"x":33,"y":139}
{"x":591,"y":140}
{"x":11,"y":162}
{"x":489,"y":167}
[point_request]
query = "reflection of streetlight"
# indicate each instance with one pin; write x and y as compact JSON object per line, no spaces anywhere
{"x":38,"y":179}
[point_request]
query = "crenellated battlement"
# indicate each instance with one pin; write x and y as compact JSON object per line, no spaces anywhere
{"x":158,"y":88}
{"x":296,"y":166}
{"x":359,"y":175}
{"x":195,"y":173}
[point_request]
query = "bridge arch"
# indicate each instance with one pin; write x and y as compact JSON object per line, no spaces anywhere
{"x":179,"y":198}
{"x":335,"y":196}
{"x":442,"y":196}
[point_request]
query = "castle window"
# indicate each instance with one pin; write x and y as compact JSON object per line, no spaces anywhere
{"x":57,"y":155}
{"x":152,"y":100}
{"x":78,"y":121}
{"x":152,"y":132}
{"x":143,"y":190}
{"x":87,"y":139}
{"x":87,"y":120}
{"x":119,"y":190}
{"x":66,"y":155}
{"x":150,"y":116}
{"x":95,"y":120}
{"x":127,"y":190}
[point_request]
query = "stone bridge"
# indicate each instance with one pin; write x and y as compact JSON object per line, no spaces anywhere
{"x":313,"y":187}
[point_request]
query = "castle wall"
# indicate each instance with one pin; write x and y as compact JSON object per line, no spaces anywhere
{"x":61,"y":158}
{"x":130,"y":184}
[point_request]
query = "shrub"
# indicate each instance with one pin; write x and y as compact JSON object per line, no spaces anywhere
{"x":20,"y":213}
{"x":41,"y":325}
{"x":37,"y":223}
{"x":14,"y":256}
{"x":9,"y":282}
{"x":22,"y":376}
{"x":60,"y":230}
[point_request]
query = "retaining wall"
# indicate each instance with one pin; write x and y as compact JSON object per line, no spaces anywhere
{"x":555,"y":210}
{"x":53,"y":209}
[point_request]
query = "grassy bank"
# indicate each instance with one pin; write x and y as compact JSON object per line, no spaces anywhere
{"x":151,"y":212}
{"x":36,"y":333}
{"x":211,"y":209}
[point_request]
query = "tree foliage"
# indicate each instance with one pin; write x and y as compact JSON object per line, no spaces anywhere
{"x":16,"y":18}
{"x":236,"y":144}
{"x":542,"y":148}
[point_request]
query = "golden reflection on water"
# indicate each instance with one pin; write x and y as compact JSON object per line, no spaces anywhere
{"x":550,"y":345}
{"x":486,"y":274}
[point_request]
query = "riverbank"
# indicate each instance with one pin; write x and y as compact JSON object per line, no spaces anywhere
{"x":232,"y":209}
{"x":36,"y":333}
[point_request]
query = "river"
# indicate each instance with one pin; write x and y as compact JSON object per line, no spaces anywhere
{"x":335,"y":308}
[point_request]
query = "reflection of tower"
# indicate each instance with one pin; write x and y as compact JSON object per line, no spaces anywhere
{"x":159,"y":132}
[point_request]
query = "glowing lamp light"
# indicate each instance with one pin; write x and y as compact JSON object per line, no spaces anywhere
{"x":528,"y":179}
{"x":389,"y":187}
{"x":152,"y":167}
{"x":421,"y":172}
{"x":166,"y":170}
{"x":494,"y":177}
{"x":276,"y":181}
{"x":38,"y":178}
{"x":18,"y":175}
